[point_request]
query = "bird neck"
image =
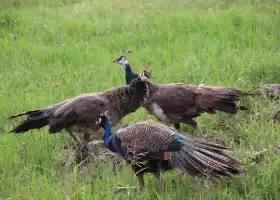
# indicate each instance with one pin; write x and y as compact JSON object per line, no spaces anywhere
{"x":128,"y":69}
{"x":140,"y":90}
{"x":108,"y":132}
{"x":128,"y":73}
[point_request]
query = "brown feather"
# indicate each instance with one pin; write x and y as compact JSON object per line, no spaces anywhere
{"x":80,"y":113}
{"x":179,"y":103}
{"x":149,"y":139}
{"x":145,"y":135}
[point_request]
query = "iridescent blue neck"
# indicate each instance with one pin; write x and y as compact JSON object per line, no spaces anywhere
{"x":128,"y":74}
{"x":128,"y":69}
{"x":108,"y":132}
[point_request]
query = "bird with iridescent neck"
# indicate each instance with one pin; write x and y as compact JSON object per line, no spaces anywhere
{"x":151,"y":147}
{"x":181,"y":103}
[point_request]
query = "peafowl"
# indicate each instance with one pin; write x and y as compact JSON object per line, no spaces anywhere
{"x":80,"y":113}
{"x":151,"y":147}
{"x":180,"y":103}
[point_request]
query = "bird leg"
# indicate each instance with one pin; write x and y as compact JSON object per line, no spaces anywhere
{"x":74,"y":137}
{"x":159,"y":177}
{"x":198,"y":128}
{"x":86,"y":140}
{"x":140,"y":178}
{"x":177,"y":126}
{"x":194,"y":124}
{"x":84,"y":149}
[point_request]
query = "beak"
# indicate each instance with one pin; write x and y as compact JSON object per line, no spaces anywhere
{"x":114,"y":60}
{"x":152,"y":77}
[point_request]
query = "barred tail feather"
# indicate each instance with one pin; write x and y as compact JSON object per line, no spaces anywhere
{"x":203,"y":158}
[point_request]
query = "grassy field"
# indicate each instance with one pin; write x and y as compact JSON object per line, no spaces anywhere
{"x":55,"y":49}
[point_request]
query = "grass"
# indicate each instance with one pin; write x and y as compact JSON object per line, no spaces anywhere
{"x":56,"y":49}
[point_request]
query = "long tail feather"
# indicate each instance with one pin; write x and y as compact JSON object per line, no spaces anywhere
{"x":23,"y":113}
{"x":36,"y":120}
{"x":200,"y":157}
{"x":214,"y":98}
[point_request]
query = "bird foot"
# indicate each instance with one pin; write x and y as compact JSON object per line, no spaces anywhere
{"x":198,"y":128}
{"x":122,"y":189}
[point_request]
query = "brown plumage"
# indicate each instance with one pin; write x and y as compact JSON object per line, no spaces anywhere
{"x":79,"y":114}
{"x":154,"y":142}
{"x":149,"y":146}
{"x":181,"y":103}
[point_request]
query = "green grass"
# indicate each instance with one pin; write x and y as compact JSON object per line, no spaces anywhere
{"x":56,"y":49}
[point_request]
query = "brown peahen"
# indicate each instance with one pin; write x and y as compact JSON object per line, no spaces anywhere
{"x":180,"y":103}
{"x":151,"y":147}
{"x":79,"y":114}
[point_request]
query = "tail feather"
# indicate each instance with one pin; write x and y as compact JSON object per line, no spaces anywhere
{"x":22,"y":114}
{"x":215,"y":98}
{"x":200,"y":157}
{"x":36,"y":120}
{"x":226,"y":100}
{"x":225,"y":106}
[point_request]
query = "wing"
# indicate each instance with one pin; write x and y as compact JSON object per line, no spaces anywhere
{"x":188,"y":101}
{"x":176,"y":100}
{"x":146,"y":136}
{"x":84,"y":109}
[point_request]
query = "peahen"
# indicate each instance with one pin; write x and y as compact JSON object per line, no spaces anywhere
{"x":151,"y":147}
{"x":180,"y":103}
{"x":78,"y":114}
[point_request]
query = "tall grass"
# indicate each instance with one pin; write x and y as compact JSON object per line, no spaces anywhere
{"x":55,"y":49}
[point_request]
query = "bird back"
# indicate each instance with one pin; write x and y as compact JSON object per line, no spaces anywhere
{"x":146,"y":136}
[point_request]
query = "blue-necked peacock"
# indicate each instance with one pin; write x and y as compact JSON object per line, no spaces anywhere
{"x":149,"y":146}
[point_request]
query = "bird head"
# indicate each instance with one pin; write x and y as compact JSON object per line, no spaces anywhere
{"x":146,"y":76}
{"x":102,"y":120}
{"x":122,"y":61}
